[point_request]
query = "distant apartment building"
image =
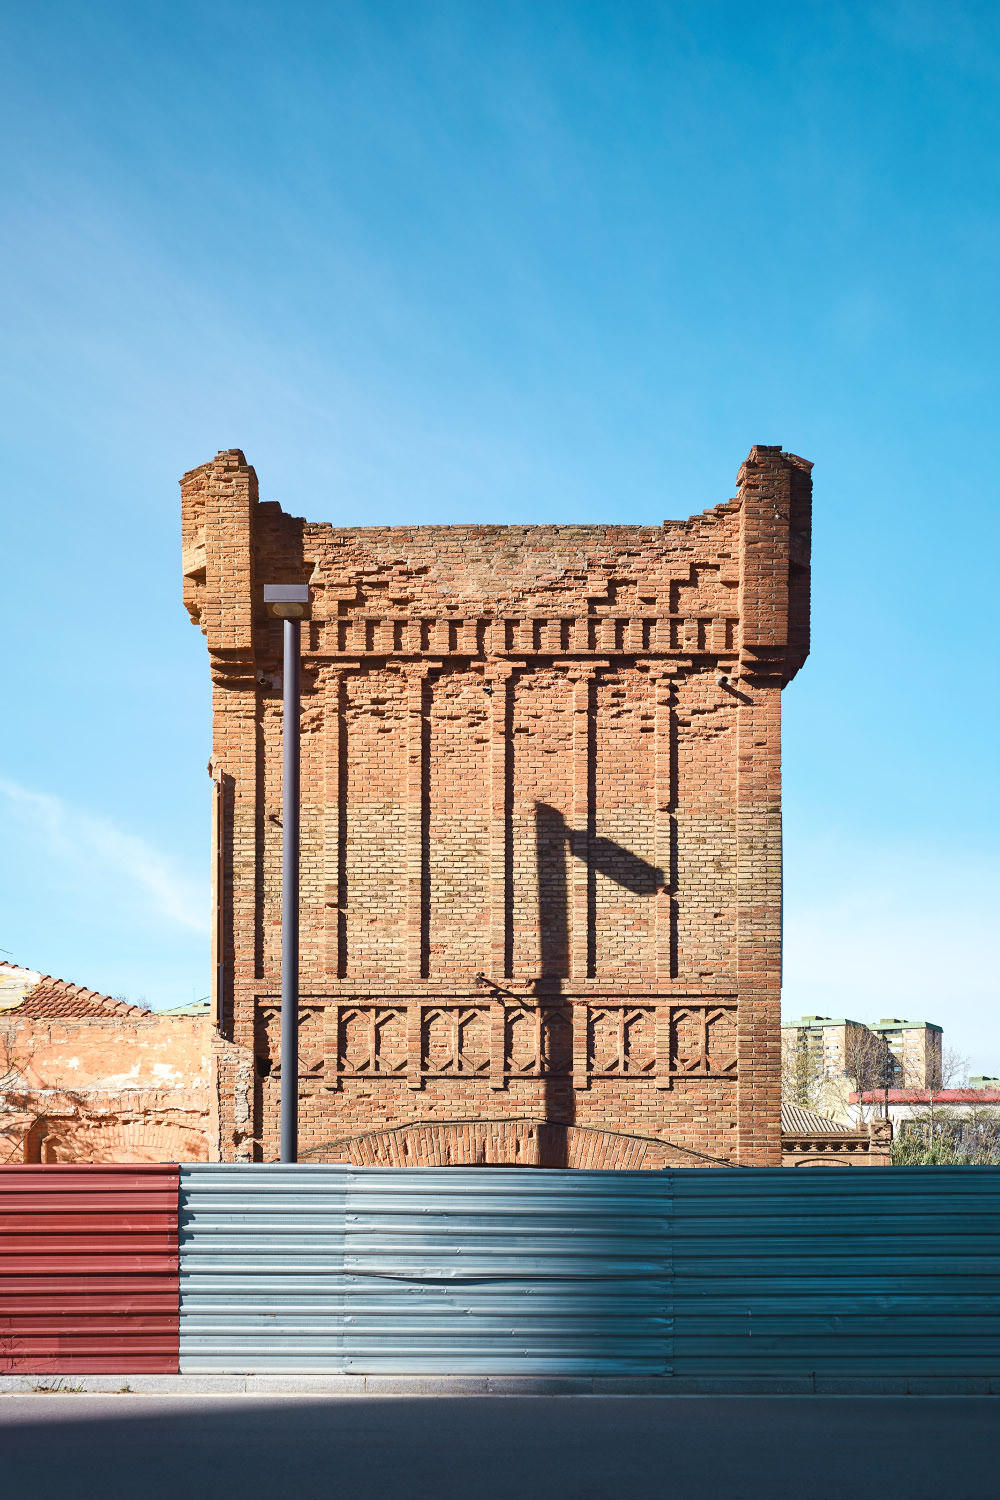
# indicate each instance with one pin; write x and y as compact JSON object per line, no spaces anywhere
{"x":916,"y":1051}
{"x":825,"y":1059}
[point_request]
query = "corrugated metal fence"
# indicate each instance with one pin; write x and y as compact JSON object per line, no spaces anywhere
{"x":892,"y":1270}
{"x":88,"y":1269}
{"x":494,"y":1271}
{"x":437,"y":1270}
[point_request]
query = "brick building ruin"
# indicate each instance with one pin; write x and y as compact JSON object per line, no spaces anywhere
{"x":541,"y":827}
{"x":85,"y":1077}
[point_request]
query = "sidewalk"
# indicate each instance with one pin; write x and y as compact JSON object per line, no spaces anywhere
{"x":504,"y":1385}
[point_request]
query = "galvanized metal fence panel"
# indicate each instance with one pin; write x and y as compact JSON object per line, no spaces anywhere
{"x":88,"y":1269}
{"x":837,"y":1271}
{"x":508,"y":1271}
{"x":262,"y":1268}
{"x":420,"y":1270}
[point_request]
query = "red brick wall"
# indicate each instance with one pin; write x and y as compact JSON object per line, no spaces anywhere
{"x":541,"y":858}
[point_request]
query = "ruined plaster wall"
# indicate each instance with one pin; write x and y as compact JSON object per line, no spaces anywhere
{"x":104,"y":1088}
{"x":111,"y":1054}
{"x":541,"y":863}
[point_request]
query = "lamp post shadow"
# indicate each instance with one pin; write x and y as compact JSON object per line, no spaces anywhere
{"x":555,"y":843}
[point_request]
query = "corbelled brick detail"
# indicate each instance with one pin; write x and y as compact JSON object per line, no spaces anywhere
{"x":541,"y":824}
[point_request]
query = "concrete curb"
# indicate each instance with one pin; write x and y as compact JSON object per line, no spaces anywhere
{"x":277,"y":1384}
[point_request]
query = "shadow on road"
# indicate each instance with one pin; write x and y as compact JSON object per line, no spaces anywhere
{"x":78,"y":1447}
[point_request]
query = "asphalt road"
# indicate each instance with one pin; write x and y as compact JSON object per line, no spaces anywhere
{"x":80,"y":1447}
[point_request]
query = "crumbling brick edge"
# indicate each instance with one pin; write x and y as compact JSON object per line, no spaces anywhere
{"x":503,"y":1385}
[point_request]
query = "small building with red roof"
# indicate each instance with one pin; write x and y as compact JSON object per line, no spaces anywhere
{"x":913,"y":1104}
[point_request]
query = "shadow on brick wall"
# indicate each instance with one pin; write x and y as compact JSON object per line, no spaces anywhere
{"x":555,"y":843}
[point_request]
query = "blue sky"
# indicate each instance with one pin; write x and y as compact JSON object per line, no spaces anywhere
{"x":510,"y":262}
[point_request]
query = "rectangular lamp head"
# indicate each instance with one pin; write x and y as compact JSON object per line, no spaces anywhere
{"x":287,"y":601}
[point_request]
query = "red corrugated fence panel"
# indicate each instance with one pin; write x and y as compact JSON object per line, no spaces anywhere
{"x":89,"y":1270}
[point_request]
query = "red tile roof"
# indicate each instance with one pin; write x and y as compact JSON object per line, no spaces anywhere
{"x":930,"y":1096}
{"x":57,"y":997}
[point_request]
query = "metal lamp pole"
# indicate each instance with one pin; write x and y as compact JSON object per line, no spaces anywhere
{"x":290,"y":603}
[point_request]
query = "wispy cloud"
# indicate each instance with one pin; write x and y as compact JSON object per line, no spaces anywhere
{"x":110,"y":861}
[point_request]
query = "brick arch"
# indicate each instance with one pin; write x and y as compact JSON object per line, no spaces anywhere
{"x":68,"y":1140}
{"x":520,"y":1142}
{"x":149,"y":1141}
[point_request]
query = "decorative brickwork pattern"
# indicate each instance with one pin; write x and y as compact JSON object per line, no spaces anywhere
{"x":541,"y":822}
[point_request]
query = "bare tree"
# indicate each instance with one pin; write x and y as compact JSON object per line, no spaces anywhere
{"x":870,"y":1067}
{"x":935,"y":1115}
{"x":937,"y":1136}
{"x":15,"y":1122}
{"x":802,"y":1077}
{"x":954,"y":1069}
{"x":13,"y":1064}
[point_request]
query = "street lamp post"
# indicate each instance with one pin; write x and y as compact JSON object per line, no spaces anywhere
{"x":289,"y":602}
{"x":887,"y":1075}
